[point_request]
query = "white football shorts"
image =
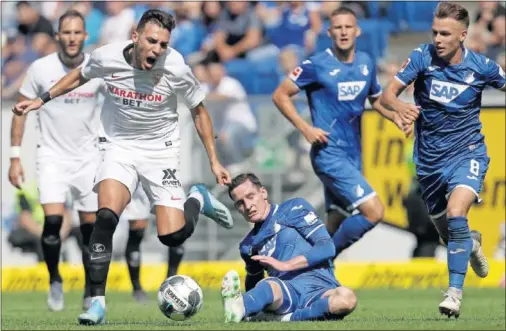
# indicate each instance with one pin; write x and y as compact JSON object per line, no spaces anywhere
{"x":156,"y":172}
{"x":60,"y":179}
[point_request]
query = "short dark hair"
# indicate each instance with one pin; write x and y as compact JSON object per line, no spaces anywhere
{"x":158,"y":17}
{"x":452,"y":10}
{"x":343,"y":10}
{"x":72,"y":13}
{"x":22,"y":3}
{"x":242,"y":178}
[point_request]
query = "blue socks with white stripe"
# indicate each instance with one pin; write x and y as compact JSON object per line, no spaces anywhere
{"x":460,"y":245}
{"x":317,"y":310}
{"x":350,"y":231}
{"x":256,"y":299}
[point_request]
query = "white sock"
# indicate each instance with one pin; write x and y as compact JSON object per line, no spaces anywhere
{"x":286,"y":317}
{"x":100,"y":299}
{"x":196,"y":195}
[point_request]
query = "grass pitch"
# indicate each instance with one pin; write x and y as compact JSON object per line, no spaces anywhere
{"x":483,"y":309}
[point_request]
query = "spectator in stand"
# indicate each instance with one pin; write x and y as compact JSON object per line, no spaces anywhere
{"x":294,"y":23}
{"x":31,"y":22}
{"x":238,"y":32}
{"x":93,"y":21}
{"x":475,"y":41}
{"x":234,"y":122}
{"x":210,"y":16}
{"x":497,"y":39}
{"x":488,"y":11}
{"x":184,"y":38}
{"x":17,"y":55}
{"x":118,"y":24}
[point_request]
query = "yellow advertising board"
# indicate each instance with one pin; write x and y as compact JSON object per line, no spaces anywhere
{"x":383,"y":150}
{"x":419,"y":273}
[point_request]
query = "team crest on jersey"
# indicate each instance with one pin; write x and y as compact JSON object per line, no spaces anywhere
{"x":156,"y":77}
{"x":364,"y":70}
{"x":470,"y":78}
{"x":404,"y":65}
{"x":444,"y":92}
{"x":359,"y":191}
{"x":296,"y":73}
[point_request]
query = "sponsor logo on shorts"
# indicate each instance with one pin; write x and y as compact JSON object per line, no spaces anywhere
{"x":169,"y":178}
{"x":98,"y":248}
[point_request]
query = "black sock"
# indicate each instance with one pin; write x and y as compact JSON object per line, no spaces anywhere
{"x":101,"y":250}
{"x":133,"y":256}
{"x":86,"y":229}
{"x":175,"y":258}
{"x":51,"y":245}
{"x":191,"y":212}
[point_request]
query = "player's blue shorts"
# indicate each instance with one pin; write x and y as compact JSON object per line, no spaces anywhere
{"x":303,"y":290}
{"x":467,"y":170}
{"x":345,"y":187}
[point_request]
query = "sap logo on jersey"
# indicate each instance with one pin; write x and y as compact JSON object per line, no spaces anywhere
{"x":350,"y":90}
{"x":445,"y":92}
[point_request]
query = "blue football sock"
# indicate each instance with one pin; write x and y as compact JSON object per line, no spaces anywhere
{"x":258,"y":298}
{"x":350,"y":231}
{"x":317,"y":310}
{"x":460,"y":245}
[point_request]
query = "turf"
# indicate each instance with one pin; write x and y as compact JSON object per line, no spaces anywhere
{"x":483,"y":309}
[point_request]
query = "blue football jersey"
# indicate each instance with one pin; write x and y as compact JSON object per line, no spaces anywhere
{"x":336,"y":94}
{"x":290,"y":229}
{"x":450,"y":100}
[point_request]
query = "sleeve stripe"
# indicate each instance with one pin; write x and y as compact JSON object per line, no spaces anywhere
{"x":400,"y":80}
{"x":377,"y":94}
{"x":312,"y":231}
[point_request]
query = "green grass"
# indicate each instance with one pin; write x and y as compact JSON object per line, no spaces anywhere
{"x":483,"y":309}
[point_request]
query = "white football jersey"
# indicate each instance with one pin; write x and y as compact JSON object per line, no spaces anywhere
{"x":140,"y":108}
{"x":67,"y":125}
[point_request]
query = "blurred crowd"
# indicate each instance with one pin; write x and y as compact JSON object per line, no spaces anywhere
{"x":237,"y":49}
{"x":207,"y":32}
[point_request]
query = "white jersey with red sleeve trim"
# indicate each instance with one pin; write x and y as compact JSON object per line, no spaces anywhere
{"x":67,"y":125}
{"x":140,"y":109}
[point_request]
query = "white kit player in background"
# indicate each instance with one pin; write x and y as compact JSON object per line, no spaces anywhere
{"x":67,"y":154}
{"x":144,"y":79}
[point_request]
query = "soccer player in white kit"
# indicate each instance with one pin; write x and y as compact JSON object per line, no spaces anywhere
{"x":144,"y":80}
{"x":67,"y":154}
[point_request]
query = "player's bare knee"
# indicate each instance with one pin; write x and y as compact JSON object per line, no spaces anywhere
{"x":456,"y":211}
{"x":343,"y":301}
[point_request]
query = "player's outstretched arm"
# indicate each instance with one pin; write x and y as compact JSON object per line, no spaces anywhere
{"x":390,"y":100}
{"x":391,"y":116}
{"x":204,"y":127}
{"x":16,"y":172}
{"x":312,"y":229}
{"x":282,"y":98}
{"x":69,"y":82}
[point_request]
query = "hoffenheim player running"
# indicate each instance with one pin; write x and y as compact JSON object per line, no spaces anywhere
{"x":291,"y":243}
{"x":450,"y":153}
{"x":337,"y":83}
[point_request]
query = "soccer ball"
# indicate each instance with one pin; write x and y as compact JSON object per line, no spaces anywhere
{"x":180,"y":297}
